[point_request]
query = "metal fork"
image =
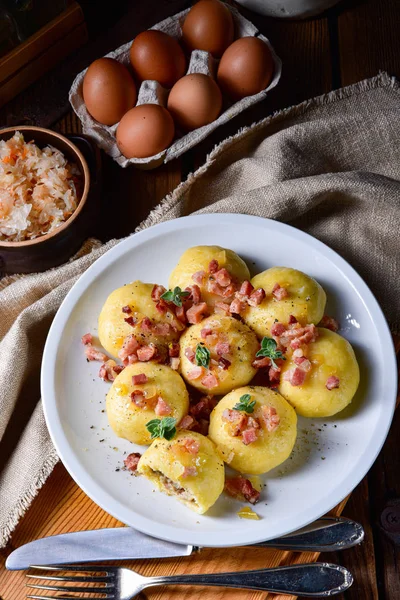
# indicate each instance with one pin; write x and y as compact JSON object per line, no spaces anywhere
{"x":315,"y":580}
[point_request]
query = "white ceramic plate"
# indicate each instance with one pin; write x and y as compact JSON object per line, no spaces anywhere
{"x":331,"y":455}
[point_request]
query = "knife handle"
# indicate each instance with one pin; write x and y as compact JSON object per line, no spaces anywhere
{"x":328,"y":534}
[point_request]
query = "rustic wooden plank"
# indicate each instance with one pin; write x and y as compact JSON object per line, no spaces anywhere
{"x":369,"y":39}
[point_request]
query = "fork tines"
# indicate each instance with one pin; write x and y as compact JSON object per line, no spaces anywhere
{"x":106,"y":587}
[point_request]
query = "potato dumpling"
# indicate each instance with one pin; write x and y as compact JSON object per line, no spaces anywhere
{"x":128,"y":414}
{"x":231,"y":348}
{"x":301,"y":296}
{"x":254,"y":442}
{"x":334,"y":366}
{"x":188,"y":467}
{"x":196,"y":262}
{"x":135,"y":298}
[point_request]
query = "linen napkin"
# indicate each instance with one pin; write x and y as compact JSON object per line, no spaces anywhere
{"x":329,"y":166}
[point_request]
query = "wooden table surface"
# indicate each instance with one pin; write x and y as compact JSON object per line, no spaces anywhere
{"x":353,"y":41}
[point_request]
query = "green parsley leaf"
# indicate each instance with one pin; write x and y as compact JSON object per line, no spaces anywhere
{"x":245,"y":404}
{"x":162,"y":428}
{"x":268,"y":348}
{"x":175,"y":296}
{"x":202,"y":356}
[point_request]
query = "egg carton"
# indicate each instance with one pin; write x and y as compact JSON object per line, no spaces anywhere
{"x":153,"y":92}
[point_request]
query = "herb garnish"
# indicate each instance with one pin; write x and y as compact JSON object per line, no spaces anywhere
{"x":162,"y":428}
{"x":202,"y":356}
{"x":175,"y":296}
{"x":268,"y":348}
{"x":245,"y":404}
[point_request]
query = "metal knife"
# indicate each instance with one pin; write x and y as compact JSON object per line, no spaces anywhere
{"x":124,"y":543}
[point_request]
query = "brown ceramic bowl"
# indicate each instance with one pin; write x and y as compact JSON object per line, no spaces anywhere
{"x":56,"y":247}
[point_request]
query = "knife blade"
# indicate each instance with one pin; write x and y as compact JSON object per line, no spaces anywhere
{"x":124,"y":543}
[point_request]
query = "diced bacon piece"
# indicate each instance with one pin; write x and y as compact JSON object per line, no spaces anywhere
{"x":270,"y":418}
{"x":224,"y":363}
{"x":146,"y":324}
{"x":186,"y":422}
{"x":274,"y":374}
{"x":223,"y":278}
{"x":195,"y":373}
{"x":87,"y":339}
{"x":189,"y":472}
{"x":181,"y":314}
{"x":195,"y":293}
{"x":118,"y":369}
{"x":162,"y":307}
{"x":129,"y":347}
{"x":203,"y":408}
{"x":137,"y":397}
{"x":132,"y":358}
{"x":209,"y":381}
{"x":202,"y":427}
{"x":176,"y":324}
{"x":253,"y":422}
{"x":199,"y":276}
{"x":332,"y":382}
{"x":161,"y":329}
{"x":295,"y":376}
{"x":304,"y":335}
{"x":249,"y":436}
{"x":139,"y":379}
{"x":109,"y":370}
{"x":162,"y":408}
{"x":205,"y":332}
{"x":213,"y":266}
{"x":196,"y":313}
{"x":246,"y":288}
{"x":190,"y":354}
{"x":260,"y":363}
{"x":222,"y":308}
{"x":277,"y":329}
{"x":126,"y":309}
{"x":242,"y":489}
{"x":131,"y":321}
{"x":131,"y":461}
{"x":298,"y":353}
{"x":329,"y":323}
{"x":229,"y":291}
{"x":303,"y":363}
{"x":214,"y":288}
{"x":237,"y":306}
{"x":280,"y":293}
{"x":93,"y":353}
{"x":146,"y":353}
{"x":292,"y":320}
{"x":256,"y":297}
{"x":174,"y":363}
{"x":237,"y":420}
{"x":222,"y":348}
{"x":173,"y":349}
{"x":190,"y":445}
{"x":230,"y":415}
{"x":157,"y":292}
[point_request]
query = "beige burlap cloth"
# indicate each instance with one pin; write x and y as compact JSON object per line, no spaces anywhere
{"x":330,"y":166}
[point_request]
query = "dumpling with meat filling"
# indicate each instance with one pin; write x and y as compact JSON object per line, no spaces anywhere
{"x":217,"y":354}
{"x":188,"y":467}
{"x":217,"y":271}
{"x":254,"y":428}
{"x":324,"y":380}
{"x":142,"y":392}
{"x":130,"y":320}
{"x":287,"y":292}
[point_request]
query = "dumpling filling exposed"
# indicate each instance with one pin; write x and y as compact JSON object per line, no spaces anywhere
{"x":173,"y":488}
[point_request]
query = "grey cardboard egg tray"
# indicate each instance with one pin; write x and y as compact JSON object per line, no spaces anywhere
{"x":153,"y":92}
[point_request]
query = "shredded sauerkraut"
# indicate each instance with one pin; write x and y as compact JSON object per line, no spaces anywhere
{"x":39,"y":189}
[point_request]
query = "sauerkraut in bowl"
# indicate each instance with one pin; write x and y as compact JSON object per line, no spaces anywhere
{"x":39,"y":189}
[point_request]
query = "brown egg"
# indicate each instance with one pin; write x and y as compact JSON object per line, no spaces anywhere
{"x":208,"y":26}
{"x":157,"y":55}
{"x":108,"y":90}
{"x":245,"y":68}
{"x":194,"y":101}
{"x":145,"y":131}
